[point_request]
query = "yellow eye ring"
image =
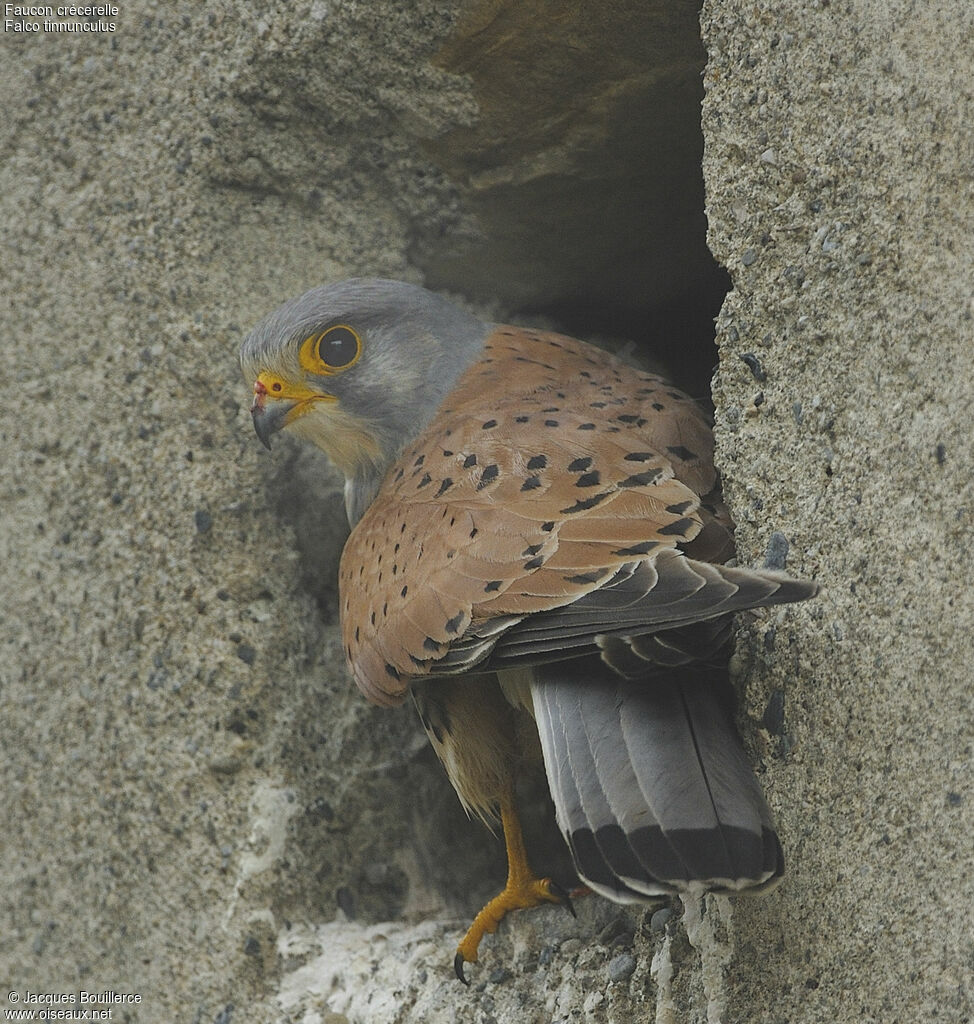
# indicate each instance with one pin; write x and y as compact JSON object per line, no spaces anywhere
{"x":331,"y":351}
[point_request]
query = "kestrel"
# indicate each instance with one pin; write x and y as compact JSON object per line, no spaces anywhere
{"x":537,"y":553}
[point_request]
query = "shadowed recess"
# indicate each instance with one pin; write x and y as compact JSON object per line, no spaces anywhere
{"x":581,"y":176}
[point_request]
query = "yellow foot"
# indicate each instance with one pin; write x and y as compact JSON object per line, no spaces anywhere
{"x":524,"y":889}
{"x":532,"y":894}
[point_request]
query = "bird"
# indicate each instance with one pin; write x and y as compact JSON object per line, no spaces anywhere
{"x":541,"y":560}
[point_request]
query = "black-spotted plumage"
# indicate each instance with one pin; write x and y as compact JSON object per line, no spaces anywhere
{"x":544,"y":544}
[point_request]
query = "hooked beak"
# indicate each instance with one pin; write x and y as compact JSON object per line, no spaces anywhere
{"x":277,"y":403}
{"x":269,"y":419}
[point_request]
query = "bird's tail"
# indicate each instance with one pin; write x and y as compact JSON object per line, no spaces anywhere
{"x":651,"y":785}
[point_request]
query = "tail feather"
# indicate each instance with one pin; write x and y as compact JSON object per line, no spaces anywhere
{"x":611,"y":774}
{"x":651,"y":785}
{"x":564,"y":751}
{"x":695,"y":776}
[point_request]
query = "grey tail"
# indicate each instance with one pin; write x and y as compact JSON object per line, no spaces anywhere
{"x":652,"y":789}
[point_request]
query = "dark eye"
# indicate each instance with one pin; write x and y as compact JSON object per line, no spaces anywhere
{"x":338,"y":347}
{"x":330,"y":352}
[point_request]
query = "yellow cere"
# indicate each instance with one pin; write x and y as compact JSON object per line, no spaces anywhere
{"x":277,"y":386}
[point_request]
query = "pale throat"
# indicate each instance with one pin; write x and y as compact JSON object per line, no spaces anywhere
{"x":349,"y":441}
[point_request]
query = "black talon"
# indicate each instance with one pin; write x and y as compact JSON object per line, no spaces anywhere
{"x":458,"y":963}
{"x":562,"y":894}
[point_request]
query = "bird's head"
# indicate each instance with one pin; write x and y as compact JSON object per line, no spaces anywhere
{"x":358,"y":368}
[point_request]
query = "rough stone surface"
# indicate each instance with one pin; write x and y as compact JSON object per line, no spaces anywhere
{"x":198,"y":807}
{"x":859,"y":305}
{"x":185,"y":765}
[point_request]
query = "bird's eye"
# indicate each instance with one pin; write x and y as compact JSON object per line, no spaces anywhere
{"x":332,"y":350}
{"x":339,"y":347}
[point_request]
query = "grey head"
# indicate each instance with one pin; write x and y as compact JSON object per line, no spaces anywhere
{"x":358,"y":368}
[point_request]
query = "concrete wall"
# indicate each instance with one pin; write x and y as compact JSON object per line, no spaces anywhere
{"x":839,"y":161}
{"x":197,"y":806}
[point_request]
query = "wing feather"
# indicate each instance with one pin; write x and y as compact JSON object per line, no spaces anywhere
{"x":545,"y":509}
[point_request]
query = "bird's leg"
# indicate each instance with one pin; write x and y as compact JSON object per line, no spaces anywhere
{"x":523,"y":889}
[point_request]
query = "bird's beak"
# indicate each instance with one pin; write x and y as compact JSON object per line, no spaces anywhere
{"x":269,"y":418}
{"x":278,"y":403}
